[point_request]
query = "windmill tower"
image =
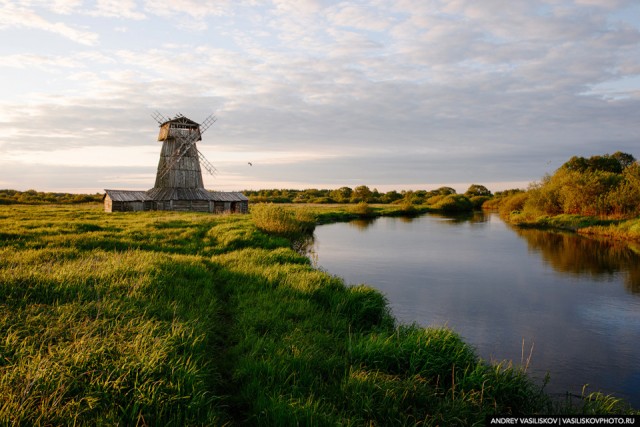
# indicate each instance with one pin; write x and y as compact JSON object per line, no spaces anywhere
{"x":179,"y":185}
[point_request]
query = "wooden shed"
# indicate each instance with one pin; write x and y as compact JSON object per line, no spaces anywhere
{"x":125,"y":201}
{"x":178,"y":200}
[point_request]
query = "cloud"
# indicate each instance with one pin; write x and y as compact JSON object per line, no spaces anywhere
{"x":358,"y":16}
{"x":190,"y":15}
{"x":63,"y":7}
{"x":44,"y":62}
{"x":125,"y":9}
{"x":14,"y":16}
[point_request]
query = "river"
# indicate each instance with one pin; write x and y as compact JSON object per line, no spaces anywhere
{"x":565,"y":305}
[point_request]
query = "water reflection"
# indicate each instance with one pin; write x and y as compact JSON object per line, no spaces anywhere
{"x":362,"y":223}
{"x":467,"y":217}
{"x":602,"y":260}
{"x":453,"y":219}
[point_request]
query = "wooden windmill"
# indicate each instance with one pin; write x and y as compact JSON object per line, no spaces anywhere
{"x":180,"y":159}
{"x":179,"y":175}
{"x":179,"y":184}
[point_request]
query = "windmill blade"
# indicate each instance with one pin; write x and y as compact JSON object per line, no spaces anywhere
{"x":207,"y":164}
{"x":158,"y":117}
{"x":206,"y":124}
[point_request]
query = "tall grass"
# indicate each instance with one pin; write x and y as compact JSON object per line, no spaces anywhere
{"x":161,"y":318}
{"x":281,"y":220}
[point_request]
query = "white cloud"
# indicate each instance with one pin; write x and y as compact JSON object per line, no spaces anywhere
{"x":45,"y":62}
{"x":117,"y":9}
{"x":196,"y":8}
{"x":88,"y":156}
{"x":358,"y":16}
{"x":63,"y":7}
{"x":14,"y":16}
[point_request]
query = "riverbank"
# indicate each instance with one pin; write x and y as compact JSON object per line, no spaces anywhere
{"x":619,"y":229}
{"x":167,"y":318}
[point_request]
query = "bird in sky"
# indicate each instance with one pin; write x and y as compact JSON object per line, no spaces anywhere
{"x":250,"y":164}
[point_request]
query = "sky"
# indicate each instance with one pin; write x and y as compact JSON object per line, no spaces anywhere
{"x":405,"y":94}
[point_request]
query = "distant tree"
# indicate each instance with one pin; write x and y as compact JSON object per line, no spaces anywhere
{"x":624,"y":159}
{"x":477,"y":190}
{"x":509,"y":192}
{"x":341,"y":195}
{"x":391,"y":196}
{"x":575,"y":163}
{"x":375,"y":196}
{"x":614,"y":163}
{"x":605,"y":163}
{"x":445,"y":191}
{"x":361,"y":194}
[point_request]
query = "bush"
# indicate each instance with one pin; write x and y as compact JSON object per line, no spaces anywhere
{"x":454,"y":203}
{"x":362,"y":209}
{"x":514,"y":203}
{"x":283,"y":221}
{"x":478,"y":201}
{"x":435,"y":199}
{"x":323,"y":200}
{"x":605,"y":186}
{"x":408,"y":208}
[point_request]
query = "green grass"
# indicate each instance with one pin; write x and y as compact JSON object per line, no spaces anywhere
{"x":621,"y":230}
{"x":281,"y":220}
{"x":166,"y":318}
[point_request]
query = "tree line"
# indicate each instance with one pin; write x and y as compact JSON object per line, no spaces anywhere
{"x":605,"y":186}
{"x":476,"y":194}
{"x":33,"y":197}
{"x":363,"y":193}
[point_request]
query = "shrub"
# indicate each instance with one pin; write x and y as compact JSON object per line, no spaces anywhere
{"x":606,"y":185}
{"x":454,"y":203}
{"x":283,"y":221}
{"x":408,"y":208}
{"x":435,"y":199}
{"x":478,"y":201}
{"x":323,"y":200}
{"x":512,"y":203}
{"x":361,"y":209}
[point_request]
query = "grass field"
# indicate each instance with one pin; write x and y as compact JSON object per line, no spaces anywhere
{"x":172,"y":319}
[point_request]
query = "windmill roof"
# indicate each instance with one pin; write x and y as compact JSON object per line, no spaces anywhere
{"x":181,"y":119}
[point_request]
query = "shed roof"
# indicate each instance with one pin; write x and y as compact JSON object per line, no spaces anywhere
{"x":160,"y":193}
{"x":194,"y":194}
{"x":126,"y":195}
{"x":175,"y":194}
{"x":222,"y":196}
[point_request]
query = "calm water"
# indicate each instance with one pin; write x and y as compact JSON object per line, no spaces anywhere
{"x":576,"y":301}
